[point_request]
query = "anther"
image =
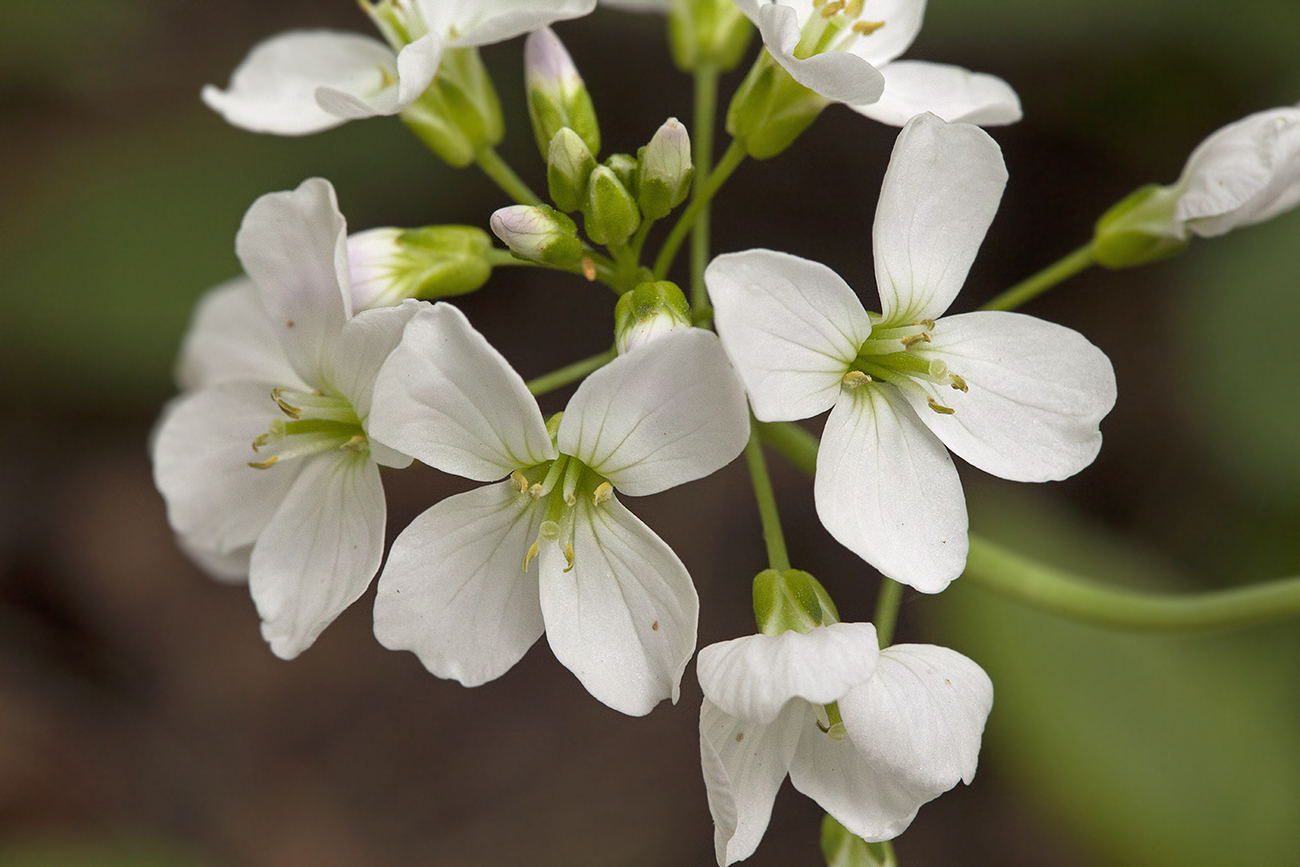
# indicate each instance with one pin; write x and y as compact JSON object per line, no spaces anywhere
{"x":536,"y":490}
{"x":357,"y":444}
{"x":866,"y":28}
{"x":530,"y":556}
{"x":602,"y":493}
{"x":388,"y":79}
{"x":518,"y":481}
{"x":288,"y":409}
{"x":854,"y":378}
{"x":832,"y":8}
{"x":266,"y":464}
{"x":958,"y":383}
{"x":568,"y":555}
{"x":854,"y":9}
{"x":923,"y":337}
{"x":938,"y":407}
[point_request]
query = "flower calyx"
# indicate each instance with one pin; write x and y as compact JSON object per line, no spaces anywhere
{"x":707,"y":33}
{"x":791,"y":599}
{"x":1139,"y":229}
{"x":389,"y":265}
{"x":459,"y":115}
{"x":647,"y":313}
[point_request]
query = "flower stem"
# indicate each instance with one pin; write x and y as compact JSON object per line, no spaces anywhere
{"x":570,"y":373}
{"x":887,"y":602}
{"x":504,"y":177}
{"x":1080,"y":260}
{"x":777,"y":557}
{"x":706,"y":111}
{"x":707,"y":189}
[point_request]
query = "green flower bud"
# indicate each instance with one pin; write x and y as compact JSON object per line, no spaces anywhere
{"x":791,"y":600}
{"x":610,"y":213}
{"x":664,"y":171}
{"x":624,"y":168}
{"x":647,"y":313}
{"x":568,"y":166}
{"x":707,"y":33}
{"x":389,"y":265}
{"x":1139,"y":229}
{"x":770,"y":109}
{"x":557,"y":96}
{"x":538,"y":233}
{"x":459,"y":114}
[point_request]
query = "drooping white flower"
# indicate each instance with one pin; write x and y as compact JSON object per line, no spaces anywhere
{"x":847,"y":52}
{"x":472,"y":583}
{"x":1015,"y":396}
{"x":308,"y":81}
{"x":869,"y":735}
{"x":266,"y":462}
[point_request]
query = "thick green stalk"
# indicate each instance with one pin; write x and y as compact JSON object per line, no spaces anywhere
{"x":570,"y":373}
{"x":504,"y":177}
{"x":1080,"y":260}
{"x":708,"y":188}
{"x":887,"y":602}
{"x":777,"y":557}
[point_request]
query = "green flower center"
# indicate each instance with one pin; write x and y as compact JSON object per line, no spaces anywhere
{"x":834,"y":26}
{"x":317,"y":423}
{"x":562,"y":482}
{"x":898,"y":355}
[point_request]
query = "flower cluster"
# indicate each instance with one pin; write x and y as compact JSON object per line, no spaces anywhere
{"x":335,"y":356}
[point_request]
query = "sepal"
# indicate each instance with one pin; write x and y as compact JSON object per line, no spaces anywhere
{"x":568,"y":167}
{"x":1140,"y":229}
{"x":707,"y":33}
{"x":770,"y":109}
{"x":648,"y":312}
{"x":539,"y":233}
{"x":791,"y":599}
{"x":459,"y":115}
{"x":610,"y":213}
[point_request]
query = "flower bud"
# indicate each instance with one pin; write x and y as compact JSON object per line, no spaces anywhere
{"x":647,"y":313}
{"x":568,"y":166}
{"x":459,"y":114}
{"x":791,"y":600}
{"x":770,"y":109}
{"x":664,"y":171}
{"x":389,"y":265}
{"x":610,"y":213}
{"x":707,"y":33}
{"x":557,"y":96}
{"x":1139,"y":229}
{"x":624,"y":168}
{"x":539,"y":233}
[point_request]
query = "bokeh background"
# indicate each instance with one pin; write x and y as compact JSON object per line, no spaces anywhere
{"x":142,"y":720}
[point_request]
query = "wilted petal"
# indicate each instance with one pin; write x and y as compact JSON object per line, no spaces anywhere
{"x":231,"y":339}
{"x":668,"y":413}
{"x":454,"y":590}
{"x":938,"y":198}
{"x":274,"y":89}
{"x":293,"y":245}
{"x":448,"y":398}
{"x":951,"y":93}
{"x":839,"y":76}
{"x":320,"y":550}
{"x":791,"y":326}
{"x":363,"y":96}
{"x":755,"y":676}
{"x":1037,"y":392}
{"x":921,"y":718}
{"x":744,"y":764}
{"x":886,"y":489}
{"x":623,"y":618}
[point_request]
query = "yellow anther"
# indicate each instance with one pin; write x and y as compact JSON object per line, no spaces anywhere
{"x":923,"y":337}
{"x":518,"y":481}
{"x":388,"y":80}
{"x":288,"y":409}
{"x":570,"y":499}
{"x":866,"y":28}
{"x":832,"y":8}
{"x":938,"y":407}
{"x":536,"y":490}
{"x":927,"y":324}
{"x":568,"y":555}
{"x":854,"y":378}
{"x":357,"y":444}
{"x":817,"y":3}
{"x":266,"y":464}
{"x":530,"y":556}
{"x":958,"y":383}
{"x":602,"y":493}
{"x":589,"y":269}
{"x":262,"y":440}
{"x":854,"y":9}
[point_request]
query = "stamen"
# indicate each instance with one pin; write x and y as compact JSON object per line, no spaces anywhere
{"x":854,"y":9}
{"x":519,"y":481}
{"x":938,"y":407}
{"x":602,"y":493}
{"x":293,"y":412}
{"x":832,"y":8}
{"x":571,"y":476}
{"x":958,"y":383}
{"x":552,"y":477}
{"x":923,"y":337}
{"x":357,"y":444}
{"x":386,"y":79}
{"x":530,"y":556}
{"x":866,"y":28}
{"x":568,"y":555}
{"x":854,"y":378}
{"x":266,"y":464}
{"x":536,"y":490}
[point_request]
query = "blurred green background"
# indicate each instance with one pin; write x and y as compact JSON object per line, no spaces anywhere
{"x":143,"y":722}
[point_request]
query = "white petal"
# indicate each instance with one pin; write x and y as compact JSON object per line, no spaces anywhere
{"x":1037,"y":393}
{"x":320,"y":550}
{"x":839,"y":76}
{"x":954,"y":94}
{"x":938,"y":198}
{"x":364,"y":96}
{"x":451,"y":400}
{"x":902,"y":24}
{"x":231,"y":339}
{"x":623,"y":619}
{"x":874,"y":805}
{"x":661,"y":6}
{"x":484,"y":22}
{"x":886,"y":489}
{"x":363,"y":346}
{"x":791,"y":326}
{"x":274,"y":89}
{"x":294,"y":247}
{"x":755,"y":676}
{"x":229,"y":568}
{"x":454,"y":590}
{"x":200,"y":464}
{"x":744,"y":764}
{"x":668,"y":413}
{"x":920,"y":719}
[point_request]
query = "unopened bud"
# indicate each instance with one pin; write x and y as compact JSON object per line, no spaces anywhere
{"x":610,"y":213}
{"x":707,"y":33}
{"x":557,"y":96}
{"x":664,"y":171}
{"x":1141,"y":228}
{"x":791,"y":600}
{"x":389,"y":265}
{"x":568,"y":166}
{"x":647,"y":313}
{"x":624,"y":168}
{"x":538,"y":233}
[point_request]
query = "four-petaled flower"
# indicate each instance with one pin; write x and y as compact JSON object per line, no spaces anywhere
{"x":266,"y":463}
{"x":870,"y":735}
{"x":1015,"y":396}
{"x":472,"y":583}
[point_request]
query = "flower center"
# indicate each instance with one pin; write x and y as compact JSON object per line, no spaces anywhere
{"x":316,"y":423}
{"x":399,"y":20}
{"x":897,"y":354}
{"x":561,"y":482}
{"x":834,"y":26}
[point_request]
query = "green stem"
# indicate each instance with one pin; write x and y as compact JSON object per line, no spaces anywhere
{"x":570,"y":373}
{"x":706,"y":111}
{"x":887,"y":602}
{"x":707,"y":189}
{"x":1080,"y":260}
{"x":1047,"y":588}
{"x":497,"y":258}
{"x":777,"y":557}
{"x":504,"y":177}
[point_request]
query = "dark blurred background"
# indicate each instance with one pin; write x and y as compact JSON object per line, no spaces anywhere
{"x":144,"y":722}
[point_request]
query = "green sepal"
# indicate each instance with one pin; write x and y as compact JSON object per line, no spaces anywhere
{"x":1139,"y":229}
{"x":568,"y":166}
{"x":624,"y":168}
{"x":842,"y":848}
{"x":770,"y":109}
{"x":459,"y":114}
{"x":792,"y":599}
{"x":649,"y":310}
{"x":610,"y":213}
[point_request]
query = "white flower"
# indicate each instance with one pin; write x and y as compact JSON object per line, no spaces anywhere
{"x":1015,"y":396}
{"x":308,"y":81}
{"x":472,"y":583}
{"x":639,"y":5}
{"x":910,"y":722}
{"x":266,"y":464}
{"x":847,"y":52}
